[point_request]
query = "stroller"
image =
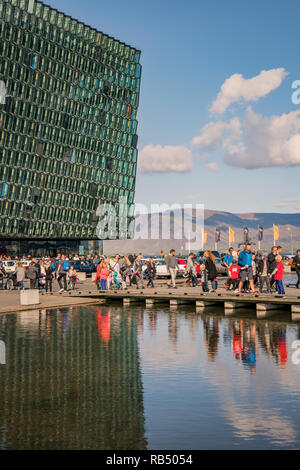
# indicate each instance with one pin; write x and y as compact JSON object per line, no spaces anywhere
{"x":11,"y":281}
{"x":42,"y":281}
{"x":73,"y":280}
{"x":117,"y":282}
{"x":188,"y":276}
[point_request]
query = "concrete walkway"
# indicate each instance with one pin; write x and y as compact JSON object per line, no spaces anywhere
{"x":10,"y":300}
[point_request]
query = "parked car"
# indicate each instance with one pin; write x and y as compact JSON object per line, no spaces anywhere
{"x":83,"y":267}
{"x":161,"y":268}
{"x":288,"y":261}
{"x":25,"y":264}
{"x":221,"y":270}
{"x":9,"y":266}
{"x":200,"y":254}
{"x":181,"y":266}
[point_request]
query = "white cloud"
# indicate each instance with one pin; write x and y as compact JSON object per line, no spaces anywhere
{"x":212,"y":166}
{"x":168,"y":158}
{"x":237,"y":88}
{"x":256,"y":141}
{"x":212,"y":134}
{"x":265,"y":141}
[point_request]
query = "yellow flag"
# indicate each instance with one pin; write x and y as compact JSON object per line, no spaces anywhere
{"x":275,"y":232}
{"x":231,"y":235}
{"x":204,"y":237}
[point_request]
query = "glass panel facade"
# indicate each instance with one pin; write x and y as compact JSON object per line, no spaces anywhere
{"x":68,"y":128}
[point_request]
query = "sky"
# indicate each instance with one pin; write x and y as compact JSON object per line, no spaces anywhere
{"x":217,"y":124}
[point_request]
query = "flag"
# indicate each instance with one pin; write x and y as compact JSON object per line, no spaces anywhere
{"x":204,"y":237}
{"x":260,"y":235}
{"x":246,"y":234}
{"x":217,"y":235}
{"x":231,"y":235}
{"x":275,"y":232}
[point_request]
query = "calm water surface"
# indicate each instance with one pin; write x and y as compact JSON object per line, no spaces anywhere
{"x":111,"y":377}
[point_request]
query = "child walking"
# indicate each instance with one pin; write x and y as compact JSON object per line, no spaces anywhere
{"x":104,"y":273}
{"x":278,"y":275}
{"x":204,"y":280}
{"x":234,"y":272}
{"x":194,"y":275}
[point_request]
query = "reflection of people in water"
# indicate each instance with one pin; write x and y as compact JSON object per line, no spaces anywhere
{"x":237,"y":346}
{"x":249,"y":357}
{"x":244,"y":343}
{"x":281,"y":352}
{"x":103,"y":325}
{"x":211,"y":336}
{"x":193,"y":324}
{"x":153,"y":321}
{"x":173,"y":328}
{"x":278,"y":344}
{"x":237,"y":339}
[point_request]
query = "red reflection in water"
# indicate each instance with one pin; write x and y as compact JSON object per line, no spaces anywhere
{"x":103,"y":325}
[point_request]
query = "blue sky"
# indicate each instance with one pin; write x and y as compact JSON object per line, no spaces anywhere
{"x":189,"y":49}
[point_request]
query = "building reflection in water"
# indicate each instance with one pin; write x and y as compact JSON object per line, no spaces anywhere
{"x":72,"y":380}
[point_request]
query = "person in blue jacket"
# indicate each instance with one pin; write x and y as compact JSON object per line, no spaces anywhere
{"x":246,"y":273}
{"x":228,"y":258}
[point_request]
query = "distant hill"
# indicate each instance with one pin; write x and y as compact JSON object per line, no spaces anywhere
{"x":289,"y":231}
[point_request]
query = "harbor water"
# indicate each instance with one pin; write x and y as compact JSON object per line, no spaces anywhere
{"x":115,"y":377}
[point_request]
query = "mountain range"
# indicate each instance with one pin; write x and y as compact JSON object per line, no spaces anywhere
{"x":288,"y":224}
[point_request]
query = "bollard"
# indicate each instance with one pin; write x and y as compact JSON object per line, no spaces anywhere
{"x":29,"y":297}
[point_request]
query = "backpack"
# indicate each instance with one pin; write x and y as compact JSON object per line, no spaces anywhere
{"x":66,"y":266}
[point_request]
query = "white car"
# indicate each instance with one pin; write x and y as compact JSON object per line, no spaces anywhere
{"x":161,"y":268}
{"x":25,"y":263}
{"x":9,"y":266}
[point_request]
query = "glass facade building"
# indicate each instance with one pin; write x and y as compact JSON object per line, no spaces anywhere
{"x":69,"y":96}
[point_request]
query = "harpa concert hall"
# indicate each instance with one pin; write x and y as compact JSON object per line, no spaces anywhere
{"x":69,"y":96}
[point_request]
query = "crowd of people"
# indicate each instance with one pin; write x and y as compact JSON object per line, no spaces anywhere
{"x":248,"y":271}
{"x":41,"y":273}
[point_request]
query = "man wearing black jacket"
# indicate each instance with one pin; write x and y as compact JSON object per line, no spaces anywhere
{"x":296,"y":262}
{"x":272,"y":263}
